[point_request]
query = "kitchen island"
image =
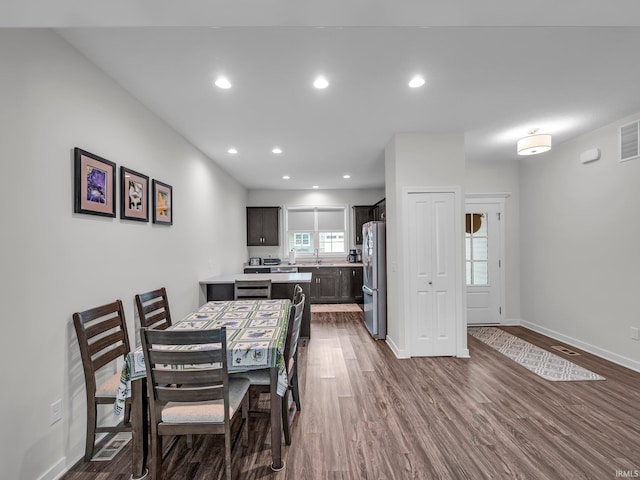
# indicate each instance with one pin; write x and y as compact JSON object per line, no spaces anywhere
{"x":220,"y":287}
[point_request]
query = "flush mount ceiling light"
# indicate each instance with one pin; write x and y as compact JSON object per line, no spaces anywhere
{"x":320,"y":83}
{"x":276,"y":150}
{"x":535,"y":143}
{"x":222,"y":82}
{"x":232,"y":151}
{"x":346,"y":176}
{"x":315,"y":186}
{"x":286,"y":177}
{"x":417,"y":81}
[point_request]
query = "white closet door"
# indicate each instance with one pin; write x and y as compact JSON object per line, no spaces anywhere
{"x":432,"y":276}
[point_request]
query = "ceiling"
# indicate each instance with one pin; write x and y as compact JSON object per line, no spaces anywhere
{"x":565,"y":74}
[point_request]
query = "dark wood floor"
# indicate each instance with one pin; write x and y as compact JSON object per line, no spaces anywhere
{"x":368,"y":415}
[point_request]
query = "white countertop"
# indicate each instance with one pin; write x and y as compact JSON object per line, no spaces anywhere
{"x":275,"y":278}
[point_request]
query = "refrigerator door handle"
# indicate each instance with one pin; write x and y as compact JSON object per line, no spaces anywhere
{"x":367,"y":290}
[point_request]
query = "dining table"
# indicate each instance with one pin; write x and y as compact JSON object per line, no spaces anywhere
{"x":256,"y":334}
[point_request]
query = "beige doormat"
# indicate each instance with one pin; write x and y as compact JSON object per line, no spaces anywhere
{"x":540,"y":361}
{"x":113,"y":446}
{"x":335,"y":307}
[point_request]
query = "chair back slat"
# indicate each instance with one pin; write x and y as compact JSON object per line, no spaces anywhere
{"x":153,"y":309}
{"x":106,"y":342}
{"x":252,"y":289}
{"x":94,"y":326}
{"x":190,"y":377}
{"x":108,"y":357}
{"x":189,"y":394}
{"x":180,"y":358}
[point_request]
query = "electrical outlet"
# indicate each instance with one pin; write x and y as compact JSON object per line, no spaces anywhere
{"x":635,"y":333}
{"x":56,"y":411}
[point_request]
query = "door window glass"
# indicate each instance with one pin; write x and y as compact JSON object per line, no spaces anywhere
{"x":477,"y":246}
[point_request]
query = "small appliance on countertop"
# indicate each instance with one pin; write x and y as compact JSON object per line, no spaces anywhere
{"x":271,"y":261}
{"x":351,"y":258}
{"x":255,"y":261}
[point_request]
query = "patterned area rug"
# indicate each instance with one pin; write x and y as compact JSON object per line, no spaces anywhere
{"x":540,"y":361}
{"x":335,"y":307}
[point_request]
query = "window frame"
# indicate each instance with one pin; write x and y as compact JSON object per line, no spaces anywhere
{"x":315,"y":234}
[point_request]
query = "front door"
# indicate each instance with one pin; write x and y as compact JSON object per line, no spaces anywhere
{"x":483,"y":263}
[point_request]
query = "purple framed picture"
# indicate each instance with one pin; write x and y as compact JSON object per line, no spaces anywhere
{"x":94,"y":185}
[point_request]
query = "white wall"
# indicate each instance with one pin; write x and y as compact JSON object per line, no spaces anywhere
{"x":55,"y":262}
{"x":503,"y":177}
{"x":417,"y":160}
{"x":579,"y":245}
{"x":283,"y":198}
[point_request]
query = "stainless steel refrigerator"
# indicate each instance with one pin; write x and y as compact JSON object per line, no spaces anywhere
{"x":374,"y":278}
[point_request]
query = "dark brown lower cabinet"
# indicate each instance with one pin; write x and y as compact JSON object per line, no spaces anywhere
{"x":335,"y":284}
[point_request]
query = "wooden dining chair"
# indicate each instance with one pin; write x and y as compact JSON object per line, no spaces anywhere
{"x":261,"y":379}
{"x":189,"y":388}
{"x":252,"y":289}
{"x":103,"y":340}
{"x":291,"y":363}
{"x":153,"y":309}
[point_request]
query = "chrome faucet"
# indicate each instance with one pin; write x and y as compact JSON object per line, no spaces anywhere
{"x":316,"y":252}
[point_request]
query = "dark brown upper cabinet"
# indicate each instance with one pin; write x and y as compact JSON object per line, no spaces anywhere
{"x":361,"y":214}
{"x":263,"y":226}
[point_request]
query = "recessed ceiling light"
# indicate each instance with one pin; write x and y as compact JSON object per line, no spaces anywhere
{"x":276,"y":150}
{"x":320,"y":83}
{"x":286,"y":177}
{"x":222,"y":82}
{"x":346,"y":176}
{"x":315,"y":186}
{"x":232,"y":151}
{"x":417,"y":81}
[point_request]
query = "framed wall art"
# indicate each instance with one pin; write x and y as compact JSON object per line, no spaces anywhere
{"x":94,"y":184}
{"x":162,"y":203}
{"x":134,"y":195}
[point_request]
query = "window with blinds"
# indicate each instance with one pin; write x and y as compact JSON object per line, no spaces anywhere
{"x":321,"y":228}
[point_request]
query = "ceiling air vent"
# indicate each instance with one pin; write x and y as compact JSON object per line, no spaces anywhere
{"x":630,"y":141}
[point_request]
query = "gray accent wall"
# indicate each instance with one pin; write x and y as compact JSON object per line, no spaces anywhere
{"x":55,"y":262}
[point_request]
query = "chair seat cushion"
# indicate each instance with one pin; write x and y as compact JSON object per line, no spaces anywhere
{"x":109,"y":388}
{"x":256,"y":377}
{"x":209,"y":412}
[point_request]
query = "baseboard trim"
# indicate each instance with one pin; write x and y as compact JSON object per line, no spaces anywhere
{"x":464,"y":354}
{"x":400,"y":354}
{"x":512,"y":322}
{"x":587,"y":347}
{"x":56,"y":471}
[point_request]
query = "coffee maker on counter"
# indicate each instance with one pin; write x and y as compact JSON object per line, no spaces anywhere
{"x":351,"y":258}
